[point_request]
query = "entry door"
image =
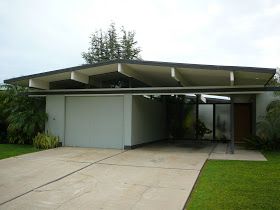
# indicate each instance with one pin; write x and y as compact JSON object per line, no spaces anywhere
{"x":242,"y":121}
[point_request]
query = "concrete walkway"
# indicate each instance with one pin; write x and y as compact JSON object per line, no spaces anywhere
{"x":159,"y":176}
{"x":221,"y":152}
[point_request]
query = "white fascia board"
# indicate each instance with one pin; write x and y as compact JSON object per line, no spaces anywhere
{"x":36,"y":83}
{"x":231,"y":75}
{"x":175,"y":74}
{"x":130,"y":73}
{"x":79,"y":77}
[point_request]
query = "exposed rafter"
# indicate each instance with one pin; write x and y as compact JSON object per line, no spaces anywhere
{"x":130,"y":73}
{"x":79,"y":77}
{"x":231,"y":75}
{"x":175,"y":74}
{"x":36,"y":83}
{"x":203,"y":98}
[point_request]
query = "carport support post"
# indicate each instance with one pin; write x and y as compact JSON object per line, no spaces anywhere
{"x":197,"y":115}
{"x":232,"y":125}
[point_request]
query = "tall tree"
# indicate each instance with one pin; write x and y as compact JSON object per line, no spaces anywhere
{"x":127,"y":45}
{"x":109,"y":45}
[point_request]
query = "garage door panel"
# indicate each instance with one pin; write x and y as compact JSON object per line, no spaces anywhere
{"x":94,"y":122}
{"x":108,"y":122}
{"x":76,"y":115}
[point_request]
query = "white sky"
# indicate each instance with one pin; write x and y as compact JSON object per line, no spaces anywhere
{"x":40,"y":35}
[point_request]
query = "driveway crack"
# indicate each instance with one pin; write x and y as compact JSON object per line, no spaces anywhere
{"x":140,"y":198}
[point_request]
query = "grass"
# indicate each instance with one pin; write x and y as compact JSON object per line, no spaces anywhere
{"x":10,"y":150}
{"x":238,"y":185}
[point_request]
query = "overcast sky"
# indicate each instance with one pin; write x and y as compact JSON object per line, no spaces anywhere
{"x":39,"y":35}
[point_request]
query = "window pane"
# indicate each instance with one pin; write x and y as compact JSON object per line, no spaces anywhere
{"x":189,"y":121}
{"x":222,"y":121}
{"x":205,"y":125}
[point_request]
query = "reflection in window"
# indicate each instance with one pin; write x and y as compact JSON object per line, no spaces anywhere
{"x":205,"y":124}
{"x":222,"y":121}
{"x":189,"y":121}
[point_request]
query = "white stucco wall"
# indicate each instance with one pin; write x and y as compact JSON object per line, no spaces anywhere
{"x":127,"y":103}
{"x":148,"y":120}
{"x":55,"y":108}
{"x":262,"y":100}
{"x":144,"y":120}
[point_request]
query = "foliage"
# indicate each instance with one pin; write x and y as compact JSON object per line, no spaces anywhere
{"x":3,"y":123}
{"x":225,"y":184}
{"x":109,"y":45}
{"x":45,"y":141}
{"x":268,"y":129}
{"x":275,"y":82}
{"x":202,"y":129}
{"x":10,"y":150}
{"x":256,"y":142}
{"x":128,"y":45}
{"x":181,"y":121}
{"x":268,"y":135}
{"x":25,"y":116}
{"x":269,"y":126}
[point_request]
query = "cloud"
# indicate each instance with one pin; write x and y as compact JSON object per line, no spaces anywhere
{"x":44,"y":35}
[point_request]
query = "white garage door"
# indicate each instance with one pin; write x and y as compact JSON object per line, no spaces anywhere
{"x":94,"y":122}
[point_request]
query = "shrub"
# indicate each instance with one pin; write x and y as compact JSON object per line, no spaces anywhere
{"x":256,"y":142}
{"x":202,"y":129}
{"x":262,"y":143}
{"x":23,"y":116}
{"x":268,"y":135}
{"x":45,"y":141}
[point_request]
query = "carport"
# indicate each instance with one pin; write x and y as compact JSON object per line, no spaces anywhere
{"x":122,"y":104}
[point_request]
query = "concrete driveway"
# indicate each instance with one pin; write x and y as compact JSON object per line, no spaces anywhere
{"x":154,"y":177}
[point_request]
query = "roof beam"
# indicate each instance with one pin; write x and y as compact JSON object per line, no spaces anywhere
{"x":175,"y":74}
{"x":203,"y":98}
{"x":79,"y":77}
{"x":231,"y":77}
{"x":130,"y":73}
{"x":36,"y":83}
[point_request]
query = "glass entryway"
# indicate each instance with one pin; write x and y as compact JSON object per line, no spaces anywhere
{"x":190,"y":119}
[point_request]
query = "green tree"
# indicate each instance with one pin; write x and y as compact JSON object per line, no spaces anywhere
{"x":128,"y":43}
{"x":109,"y":45}
{"x":24,"y":115}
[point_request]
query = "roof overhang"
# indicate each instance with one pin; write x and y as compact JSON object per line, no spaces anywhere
{"x":159,"y":91}
{"x":154,"y":74}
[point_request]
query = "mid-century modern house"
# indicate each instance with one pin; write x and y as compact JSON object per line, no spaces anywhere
{"x":125,"y":103}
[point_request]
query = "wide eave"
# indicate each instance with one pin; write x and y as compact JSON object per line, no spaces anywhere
{"x":152,"y":74}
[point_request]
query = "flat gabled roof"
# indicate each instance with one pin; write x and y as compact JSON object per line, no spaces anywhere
{"x":162,"y":74}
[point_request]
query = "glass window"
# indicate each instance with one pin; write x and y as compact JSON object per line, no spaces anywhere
{"x":205,"y":122}
{"x":189,"y":121}
{"x":222,"y":122}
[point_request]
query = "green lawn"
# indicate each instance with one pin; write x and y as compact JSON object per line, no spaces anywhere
{"x":10,"y":150}
{"x":238,"y":185}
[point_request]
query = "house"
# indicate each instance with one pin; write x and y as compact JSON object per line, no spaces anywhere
{"x":116,"y":104}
